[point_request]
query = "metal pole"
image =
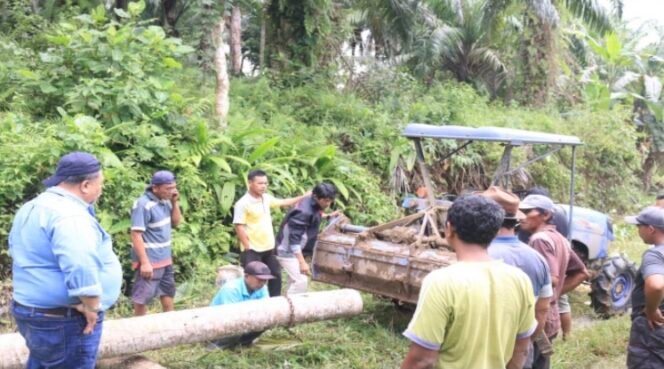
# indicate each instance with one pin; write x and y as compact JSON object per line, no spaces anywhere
{"x":425,"y":172}
{"x":571,"y":194}
{"x":504,"y":166}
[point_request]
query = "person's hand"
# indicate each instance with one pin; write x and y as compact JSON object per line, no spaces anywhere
{"x":334,"y":214}
{"x":304,"y":269}
{"x":655,"y":319}
{"x":175,"y":197}
{"x":90,"y":318}
{"x":146,"y":270}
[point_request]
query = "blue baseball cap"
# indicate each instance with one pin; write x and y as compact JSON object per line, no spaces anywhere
{"x":75,"y":163}
{"x":650,"y":216}
{"x":162,"y":177}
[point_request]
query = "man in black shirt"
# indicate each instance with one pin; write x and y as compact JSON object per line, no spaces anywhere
{"x":646,"y":350}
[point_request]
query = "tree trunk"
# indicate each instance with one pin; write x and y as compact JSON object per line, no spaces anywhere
{"x":150,"y":332}
{"x":223,"y":85}
{"x":261,"y":46}
{"x":169,"y":16}
{"x":540,"y":68}
{"x":236,"y":40}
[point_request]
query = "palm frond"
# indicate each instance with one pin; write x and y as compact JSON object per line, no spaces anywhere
{"x":491,"y":12}
{"x":545,"y":11}
{"x":618,"y":7}
{"x":653,"y":88}
{"x":593,"y":14}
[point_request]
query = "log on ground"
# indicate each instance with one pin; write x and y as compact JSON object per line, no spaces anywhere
{"x":139,"y":334}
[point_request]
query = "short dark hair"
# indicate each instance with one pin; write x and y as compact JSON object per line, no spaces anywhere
{"x":81,"y":178}
{"x":509,"y":223}
{"x":256,"y":173}
{"x":476,"y":219}
{"x":660,"y":196}
{"x":325,"y":190}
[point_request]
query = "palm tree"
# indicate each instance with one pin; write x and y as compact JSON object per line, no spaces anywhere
{"x":541,"y":20}
{"x":460,"y":46}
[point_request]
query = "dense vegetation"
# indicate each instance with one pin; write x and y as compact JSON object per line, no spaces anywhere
{"x":323,"y":95}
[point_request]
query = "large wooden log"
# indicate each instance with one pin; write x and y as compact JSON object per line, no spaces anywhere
{"x":139,"y":334}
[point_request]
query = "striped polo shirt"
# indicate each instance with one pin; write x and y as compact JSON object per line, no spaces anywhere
{"x":153,"y":217}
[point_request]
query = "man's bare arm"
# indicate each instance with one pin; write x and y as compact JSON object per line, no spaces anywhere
{"x":541,"y":313}
{"x":519,"y":354}
{"x":419,"y":357}
{"x":573,"y":280}
{"x":242,"y":236}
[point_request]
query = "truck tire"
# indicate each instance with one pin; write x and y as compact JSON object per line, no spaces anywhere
{"x":611,"y":288}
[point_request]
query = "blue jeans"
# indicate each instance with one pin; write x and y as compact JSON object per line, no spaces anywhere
{"x":58,"y":342}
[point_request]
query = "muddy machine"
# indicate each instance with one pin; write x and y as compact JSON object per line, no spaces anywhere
{"x":392,"y":259}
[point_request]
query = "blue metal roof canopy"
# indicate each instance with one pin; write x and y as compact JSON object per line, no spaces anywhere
{"x":509,"y":136}
{"x":515,"y":137}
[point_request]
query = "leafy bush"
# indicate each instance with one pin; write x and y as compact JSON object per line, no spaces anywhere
{"x":123,"y":92}
{"x":124,"y":101}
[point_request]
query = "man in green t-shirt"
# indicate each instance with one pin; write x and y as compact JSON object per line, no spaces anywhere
{"x":477,"y":313}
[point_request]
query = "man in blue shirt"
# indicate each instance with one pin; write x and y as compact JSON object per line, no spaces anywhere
{"x":152,"y":217}
{"x":251,"y":287}
{"x":507,"y":247}
{"x":65,"y":274}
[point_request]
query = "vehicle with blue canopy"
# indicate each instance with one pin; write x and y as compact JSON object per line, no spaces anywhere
{"x":391,"y":259}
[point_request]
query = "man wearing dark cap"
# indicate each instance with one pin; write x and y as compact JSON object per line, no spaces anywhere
{"x":152,"y":218}
{"x":645,"y":350}
{"x":64,"y":272}
{"x":507,"y":247}
{"x":567,"y":270}
{"x":251,"y":287}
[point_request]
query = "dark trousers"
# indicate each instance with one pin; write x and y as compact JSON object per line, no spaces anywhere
{"x":269,"y":259}
{"x":541,"y":361}
{"x":646,"y":345}
{"x":58,"y":342}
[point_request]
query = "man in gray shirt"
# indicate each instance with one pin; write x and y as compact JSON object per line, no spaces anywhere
{"x":645,"y":350}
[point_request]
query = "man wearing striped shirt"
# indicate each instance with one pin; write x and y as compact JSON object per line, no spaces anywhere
{"x":152,"y":217}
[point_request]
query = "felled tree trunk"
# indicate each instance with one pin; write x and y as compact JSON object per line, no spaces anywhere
{"x":236,"y":40}
{"x":134,"y":335}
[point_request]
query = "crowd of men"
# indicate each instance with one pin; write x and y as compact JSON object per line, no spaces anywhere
{"x":498,"y":306}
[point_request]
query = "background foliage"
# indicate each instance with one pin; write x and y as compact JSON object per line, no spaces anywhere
{"x":132,"y":83}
